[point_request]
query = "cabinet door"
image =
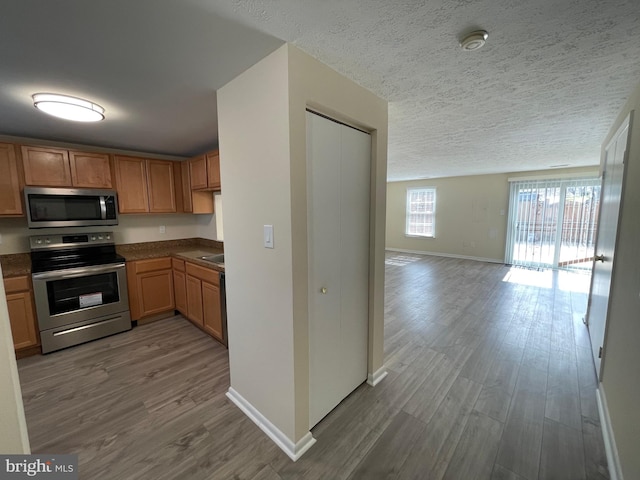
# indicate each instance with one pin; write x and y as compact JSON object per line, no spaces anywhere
{"x":22,"y":319}
{"x":155,"y":292}
{"x":161,"y":186}
{"x":180,"y":289}
{"x":213,"y":170}
{"x":10,"y":200}
{"x":131,"y":184}
{"x":194,"y":300}
{"x":90,"y":170}
{"x":211,"y":310}
{"x":48,"y":167}
{"x":198,"y":172}
{"x":187,"y":201}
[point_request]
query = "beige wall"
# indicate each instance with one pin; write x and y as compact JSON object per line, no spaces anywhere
{"x":253,"y":129}
{"x":131,"y":229}
{"x":13,"y":439}
{"x":621,"y":363}
{"x":471,"y":214}
{"x":262,"y":131}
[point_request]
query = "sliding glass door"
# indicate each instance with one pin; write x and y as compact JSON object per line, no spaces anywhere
{"x":552,"y":223}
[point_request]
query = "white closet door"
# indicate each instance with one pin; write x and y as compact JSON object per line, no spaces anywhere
{"x":338,"y":162}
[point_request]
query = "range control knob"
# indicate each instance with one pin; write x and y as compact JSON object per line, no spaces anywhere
{"x":93,"y":238}
{"x":39,"y":241}
{"x":47,"y":241}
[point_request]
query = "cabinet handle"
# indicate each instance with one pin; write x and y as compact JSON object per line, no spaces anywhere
{"x":599,"y":258}
{"x":323,"y":290}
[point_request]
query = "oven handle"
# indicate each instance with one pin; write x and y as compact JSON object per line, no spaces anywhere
{"x":77,"y":272}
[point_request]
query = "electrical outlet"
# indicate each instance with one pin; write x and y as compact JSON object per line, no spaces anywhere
{"x":162,"y":229}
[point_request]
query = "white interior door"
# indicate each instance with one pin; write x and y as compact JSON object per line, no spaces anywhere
{"x":338,"y":163}
{"x":606,"y":241}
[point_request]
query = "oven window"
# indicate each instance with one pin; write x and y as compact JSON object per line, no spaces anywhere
{"x":71,"y":294}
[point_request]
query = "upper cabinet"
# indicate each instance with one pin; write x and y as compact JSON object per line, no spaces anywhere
{"x":213,"y":170}
{"x":205,"y":172}
{"x":145,"y":186}
{"x":55,"y":167}
{"x":10,"y":198}
{"x":161,"y":186}
{"x":48,"y":167}
{"x":90,"y":170}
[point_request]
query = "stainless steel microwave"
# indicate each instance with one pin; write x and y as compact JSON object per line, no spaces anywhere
{"x":70,"y":207}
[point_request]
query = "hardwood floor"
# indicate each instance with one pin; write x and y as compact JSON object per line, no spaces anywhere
{"x":490,"y":377}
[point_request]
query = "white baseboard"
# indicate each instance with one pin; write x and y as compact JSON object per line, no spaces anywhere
{"x":448,"y":255}
{"x":615,"y":469}
{"x":293,"y":450}
{"x":376,"y":377}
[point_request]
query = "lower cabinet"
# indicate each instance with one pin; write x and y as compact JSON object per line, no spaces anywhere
{"x":160,"y":285}
{"x":203,"y":299}
{"x":150,"y":284}
{"x":179,"y":285}
{"x":22,"y":315}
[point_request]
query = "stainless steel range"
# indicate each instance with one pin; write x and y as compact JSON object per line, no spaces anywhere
{"x":80,"y":288}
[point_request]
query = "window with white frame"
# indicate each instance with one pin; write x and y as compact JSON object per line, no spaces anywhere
{"x":421,"y":212}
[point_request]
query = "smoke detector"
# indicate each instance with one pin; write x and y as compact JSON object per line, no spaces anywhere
{"x":474,"y":40}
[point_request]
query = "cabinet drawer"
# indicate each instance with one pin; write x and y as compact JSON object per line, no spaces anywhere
{"x":152,"y":264}
{"x":16,"y":284}
{"x":177,"y":264}
{"x":205,"y":274}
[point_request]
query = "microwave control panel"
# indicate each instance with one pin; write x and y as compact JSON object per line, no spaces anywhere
{"x":38,"y":242}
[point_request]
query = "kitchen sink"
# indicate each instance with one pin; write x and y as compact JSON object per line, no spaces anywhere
{"x":219,"y":258}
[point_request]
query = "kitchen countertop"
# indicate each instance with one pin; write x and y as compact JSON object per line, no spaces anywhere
{"x":15,"y":265}
{"x":188,"y":249}
{"x":19,"y":264}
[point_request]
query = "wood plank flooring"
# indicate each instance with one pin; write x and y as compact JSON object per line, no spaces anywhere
{"x":490,"y":377}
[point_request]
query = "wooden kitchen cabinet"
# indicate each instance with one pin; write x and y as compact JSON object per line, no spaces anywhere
{"x":185,"y":186}
{"x":10,"y":198}
{"x":55,"y":167}
{"x":179,"y":285}
{"x":131,"y":184}
{"x":145,"y":186}
{"x":22,"y":315}
{"x":194,"y":300}
{"x":47,"y":167}
{"x":194,"y":201}
{"x":150,"y":285}
{"x":212,"y":315}
{"x":161,"y":186}
{"x":90,"y":170}
{"x":203,"y":299}
{"x":205,"y":172}
{"x":213,"y":170}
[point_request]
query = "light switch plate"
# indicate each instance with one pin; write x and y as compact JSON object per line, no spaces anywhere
{"x":268,"y":236}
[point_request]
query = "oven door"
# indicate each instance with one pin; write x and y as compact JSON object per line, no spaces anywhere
{"x":68,"y":296}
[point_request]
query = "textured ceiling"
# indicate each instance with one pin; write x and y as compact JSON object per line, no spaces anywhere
{"x":542,"y":92}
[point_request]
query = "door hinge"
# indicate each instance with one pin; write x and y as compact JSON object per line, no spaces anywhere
{"x":600,"y":353}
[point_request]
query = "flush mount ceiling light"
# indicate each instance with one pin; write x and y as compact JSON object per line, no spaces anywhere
{"x":69,"y":108}
{"x":474,"y":40}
